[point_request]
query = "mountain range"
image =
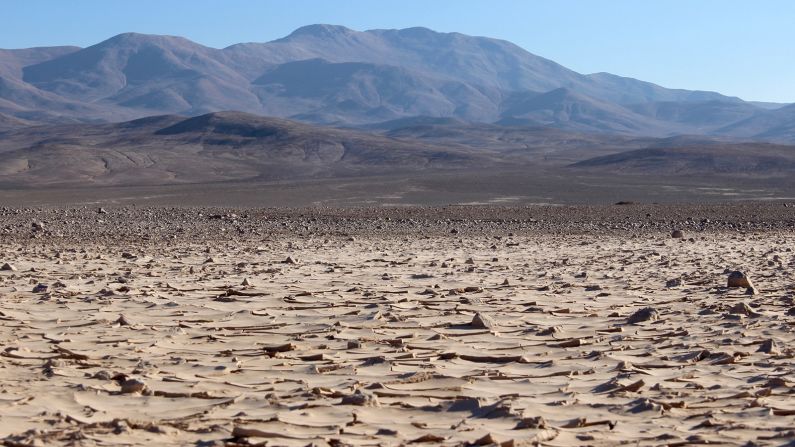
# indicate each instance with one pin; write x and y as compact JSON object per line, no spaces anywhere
{"x":335,"y":76}
{"x":332,"y":115}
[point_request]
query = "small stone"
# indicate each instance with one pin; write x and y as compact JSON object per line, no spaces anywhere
{"x":552,"y":330}
{"x":482,"y":321}
{"x":769,"y":346}
{"x":676,"y":282}
{"x":131,"y":386}
{"x":245,"y":282}
{"x":743,"y":309}
{"x":421,"y":276}
{"x":40,"y":288}
{"x":37,"y":226}
{"x":738,"y":279}
{"x":532,"y":422}
{"x":487,"y":439}
{"x":677,"y":234}
{"x":360,"y":399}
{"x":8,"y":268}
{"x":290,"y":260}
{"x":645,"y":314}
{"x":102,"y":375}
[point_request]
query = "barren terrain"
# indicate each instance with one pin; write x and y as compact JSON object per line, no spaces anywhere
{"x":388,"y":326}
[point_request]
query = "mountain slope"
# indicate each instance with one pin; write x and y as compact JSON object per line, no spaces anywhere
{"x":13,"y":61}
{"x":772,"y":125}
{"x":566,"y":109}
{"x":697,"y":116}
{"x":157,"y":73}
{"x":9,"y":122}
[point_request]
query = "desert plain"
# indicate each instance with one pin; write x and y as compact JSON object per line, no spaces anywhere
{"x":470,"y":325}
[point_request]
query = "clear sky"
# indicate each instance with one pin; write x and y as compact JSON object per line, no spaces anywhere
{"x":742,"y":48}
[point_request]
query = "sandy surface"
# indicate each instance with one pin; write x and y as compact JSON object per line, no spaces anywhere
{"x":389,"y":327}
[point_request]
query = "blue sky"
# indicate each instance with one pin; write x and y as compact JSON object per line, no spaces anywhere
{"x":739,"y":48}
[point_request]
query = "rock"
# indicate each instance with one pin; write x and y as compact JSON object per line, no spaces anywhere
{"x":421,"y":276}
{"x":552,"y":330}
{"x":8,"y":268}
{"x":482,"y":321}
{"x":676,"y":282}
{"x":739,"y":279}
{"x":40,"y":288}
{"x":677,"y":234}
{"x":645,"y":314}
{"x":743,"y":309}
{"x":769,"y":346}
{"x":487,"y":439}
{"x":536,"y":422}
{"x":102,"y":211}
{"x":245,"y":282}
{"x":37,"y":226}
{"x":360,"y":399}
{"x":131,"y":386}
{"x":102,"y":375}
{"x":290,"y":260}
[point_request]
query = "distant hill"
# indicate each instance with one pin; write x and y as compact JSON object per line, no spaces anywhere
{"x":747,"y":159}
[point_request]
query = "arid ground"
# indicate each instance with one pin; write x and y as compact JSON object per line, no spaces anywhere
{"x":483,"y":325}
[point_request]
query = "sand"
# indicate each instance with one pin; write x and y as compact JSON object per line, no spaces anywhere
{"x":247,"y":327}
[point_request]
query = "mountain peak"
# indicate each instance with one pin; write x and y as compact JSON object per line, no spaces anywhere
{"x":322,"y":30}
{"x":138,"y":39}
